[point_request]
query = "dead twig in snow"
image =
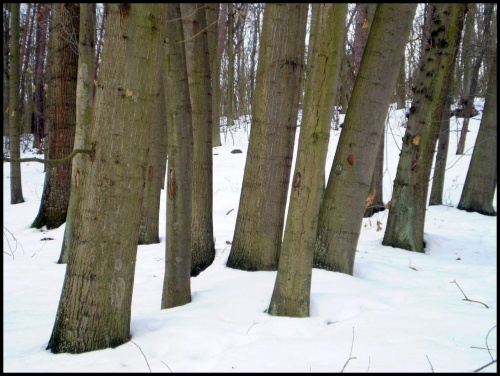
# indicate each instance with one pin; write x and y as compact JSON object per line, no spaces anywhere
{"x":487,"y":341}
{"x":432,"y":368}
{"x":350,"y":357}
{"x":466,"y":298}
{"x":166,"y":365}
{"x":143,"y":356}
{"x":486,"y":365}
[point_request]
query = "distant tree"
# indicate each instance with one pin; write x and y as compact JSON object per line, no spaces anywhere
{"x":62,"y":107}
{"x":84,"y":106}
{"x":259,"y":224}
{"x":6,"y":49}
{"x":212,"y":13}
{"x":177,"y":281}
{"x":198,"y":70}
{"x":16,"y":189}
{"x":471,"y":88}
{"x":405,"y":226}
{"x":229,"y":111}
{"x":344,"y":202}
{"x":42,"y":21}
{"x":95,"y":306}
{"x":481,"y":181}
{"x":291,"y":293}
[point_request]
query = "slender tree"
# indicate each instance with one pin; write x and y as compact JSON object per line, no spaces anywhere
{"x":84,"y":107}
{"x":291,"y":293}
{"x":341,"y":212}
{"x":16,"y":189}
{"x":177,"y":281}
{"x":259,"y":224}
{"x":436,"y":197}
{"x":231,"y":63}
{"x":95,"y":306}
{"x":212,"y":12}
{"x":62,"y":108}
{"x":198,"y":69}
{"x":405,"y":226}
{"x":481,"y":181}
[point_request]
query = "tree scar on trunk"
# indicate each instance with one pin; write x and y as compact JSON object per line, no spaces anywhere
{"x":171,"y":184}
{"x":296,"y":180}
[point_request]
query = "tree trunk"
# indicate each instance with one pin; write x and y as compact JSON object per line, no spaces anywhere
{"x":480,"y":184}
{"x":259,"y":224}
{"x":375,"y":203}
{"x":177,"y":281}
{"x":16,"y":189}
{"x":401,"y":85}
{"x":95,"y":306}
{"x":472,"y":89}
{"x":212,"y":12}
{"x":62,"y":108}
{"x":344,"y":203}
{"x":198,"y":69}
{"x":84,"y":107}
{"x":42,"y":18}
{"x":230,"y":75}
{"x":405,"y":225}
{"x":157,"y":161}
{"x":291,"y":295}
{"x":441,"y":156}
{"x":6,"y":50}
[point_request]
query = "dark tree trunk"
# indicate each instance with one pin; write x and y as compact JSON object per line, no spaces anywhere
{"x":62,"y":108}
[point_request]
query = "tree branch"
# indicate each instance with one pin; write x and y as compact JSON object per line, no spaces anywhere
{"x":466,"y":298}
{"x":49,"y":161}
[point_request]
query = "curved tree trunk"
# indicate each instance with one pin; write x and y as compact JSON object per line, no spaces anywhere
{"x":62,"y":109}
{"x":343,"y":205}
{"x":95,"y":306}
{"x":16,"y":189}
{"x":291,"y":295}
{"x":84,"y":107}
{"x":405,"y":225}
{"x":259,"y":224}
{"x":481,"y":181}
{"x":177,"y":281}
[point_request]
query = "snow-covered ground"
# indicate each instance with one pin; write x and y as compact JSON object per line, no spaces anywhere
{"x":400,"y":312}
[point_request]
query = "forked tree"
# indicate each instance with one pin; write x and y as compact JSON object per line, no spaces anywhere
{"x":291,"y":293}
{"x":95,"y":306}
{"x":62,"y":111}
{"x":259,"y":224}
{"x":344,"y":202}
{"x":405,"y":225}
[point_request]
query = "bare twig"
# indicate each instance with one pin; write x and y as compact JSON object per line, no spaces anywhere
{"x":229,"y":211}
{"x":486,"y":365}
{"x":466,"y":298}
{"x":432,"y":368}
{"x":11,"y":234}
{"x":166,"y":365}
{"x":350,"y":357}
{"x":144,"y":356}
{"x":487,"y":341}
{"x":252,"y":326}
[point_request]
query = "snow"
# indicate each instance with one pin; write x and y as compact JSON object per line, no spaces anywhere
{"x":401,"y":311}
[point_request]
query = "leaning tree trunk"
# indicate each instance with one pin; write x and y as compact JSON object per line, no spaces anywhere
{"x":62,"y":108}
{"x":436,"y":197}
{"x":259,"y":224}
{"x":212,"y":12}
{"x":177,"y":281}
{"x":95,"y":306}
{"x":16,"y":189}
{"x":480,"y":183}
{"x":341,"y":212}
{"x":84,"y":106}
{"x":291,"y":295}
{"x":405,"y":225}
{"x":198,"y":68}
